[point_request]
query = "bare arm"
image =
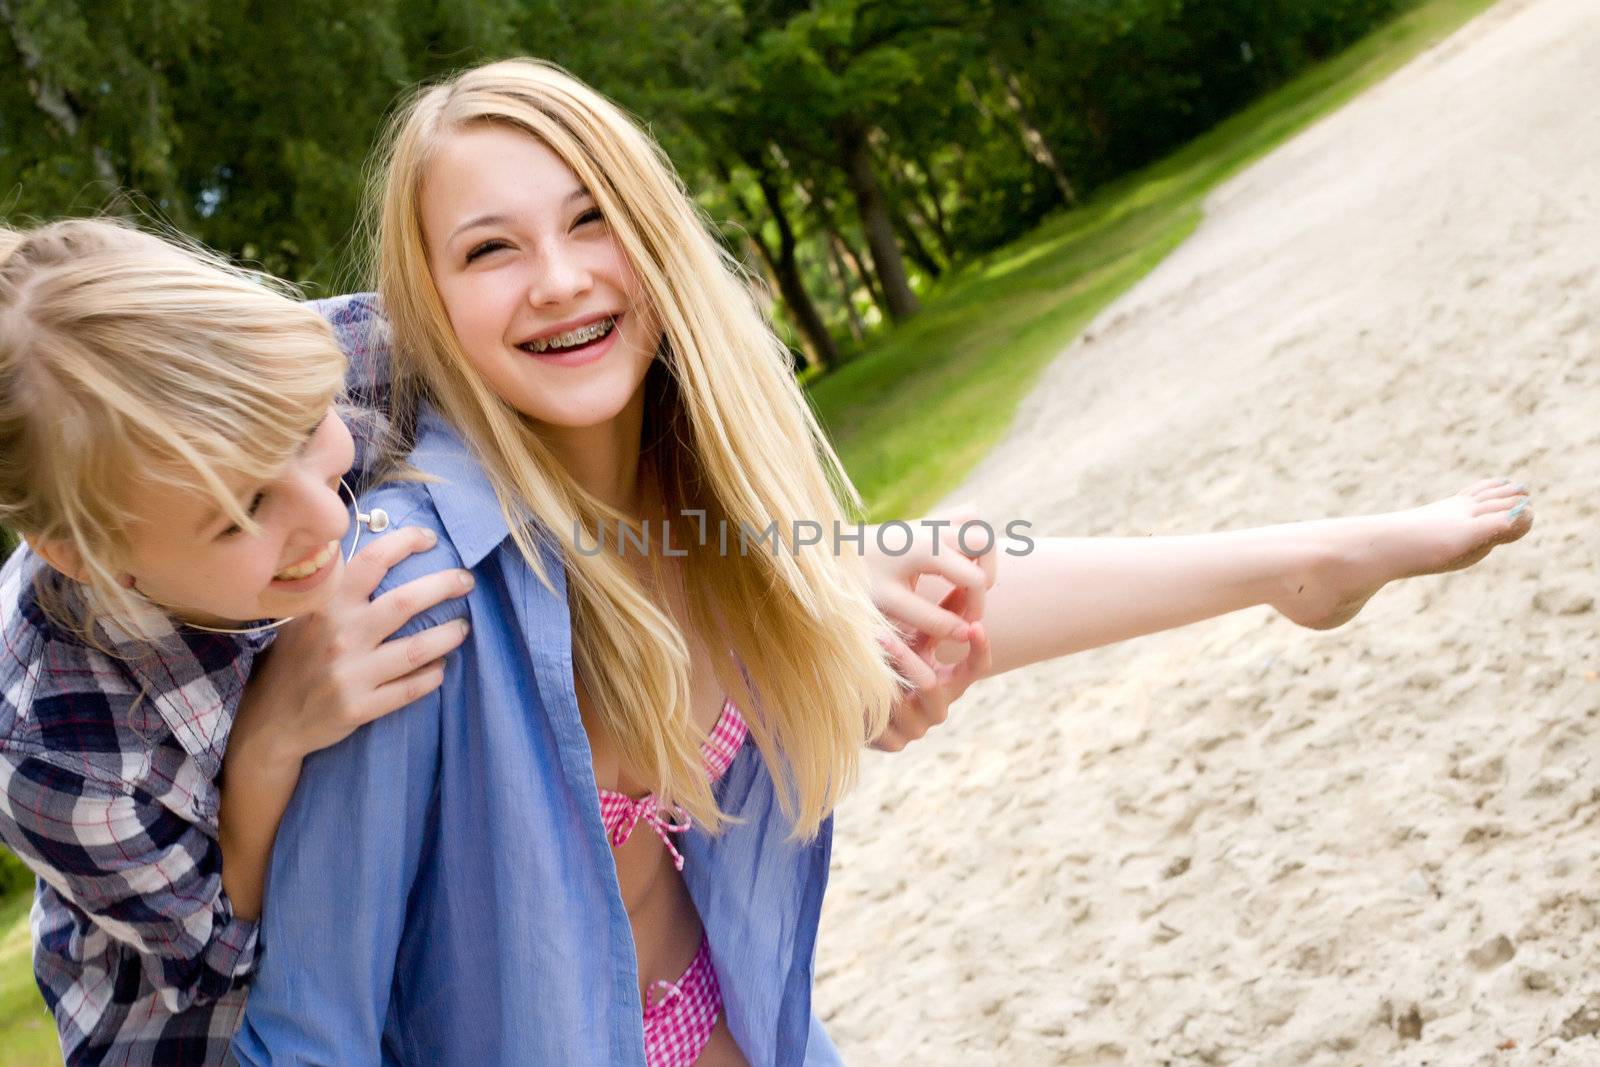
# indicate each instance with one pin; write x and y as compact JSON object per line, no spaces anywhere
{"x":1069,"y":594}
{"x":1075,"y":593}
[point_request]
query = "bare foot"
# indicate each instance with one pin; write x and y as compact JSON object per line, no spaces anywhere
{"x":1354,"y":558}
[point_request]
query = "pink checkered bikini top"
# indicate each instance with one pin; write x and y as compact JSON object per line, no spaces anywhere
{"x":621,"y":813}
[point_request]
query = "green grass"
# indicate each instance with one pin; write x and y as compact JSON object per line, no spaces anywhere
{"x":27,"y":1033}
{"x":923,"y":404}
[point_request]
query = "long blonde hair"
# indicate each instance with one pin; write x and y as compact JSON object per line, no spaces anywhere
{"x":728,"y":432}
{"x":129,"y":360}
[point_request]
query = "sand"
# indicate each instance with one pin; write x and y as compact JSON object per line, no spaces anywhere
{"x":1244,"y":842}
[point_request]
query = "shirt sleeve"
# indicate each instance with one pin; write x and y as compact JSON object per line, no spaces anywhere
{"x":363,"y":333}
{"x":346,"y":857}
{"x":146,"y":876}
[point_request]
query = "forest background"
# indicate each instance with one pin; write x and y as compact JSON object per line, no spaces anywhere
{"x":855,"y":153}
{"x":937,"y":194}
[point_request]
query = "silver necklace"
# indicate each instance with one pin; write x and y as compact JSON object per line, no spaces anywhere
{"x":377,"y":521}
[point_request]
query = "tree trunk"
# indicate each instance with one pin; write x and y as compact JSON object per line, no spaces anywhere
{"x":856,"y":158}
{"x":840,"y":274}
{"x":785,"y":266}
{"x":863,"y":269}
{"x":763,"y":262}
{"x":935,"y":214}
{"x":1033,"y":138}
{"x":907,"y":214}
{"x":905,"y":226}
{"x":828,"y":218}
{"x":49,"y":98}
{"x":841,"y":278}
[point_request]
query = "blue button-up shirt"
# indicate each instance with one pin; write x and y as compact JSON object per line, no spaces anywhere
{"x":442,"y":891}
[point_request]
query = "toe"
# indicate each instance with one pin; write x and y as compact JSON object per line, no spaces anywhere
{"x":1478,"y":488}
{"x":1498,"y":488}
{"x":1515,"y":522}
{"x":1496,"y":504}
{"x":1508,"y":491}
{"x":1496,"y":525}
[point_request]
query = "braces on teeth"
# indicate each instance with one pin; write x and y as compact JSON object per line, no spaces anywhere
{"x":582,"y":335}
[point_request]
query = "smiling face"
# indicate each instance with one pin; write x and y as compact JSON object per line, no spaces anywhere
{"x":539,"y":292}
{"x":188,"y":557}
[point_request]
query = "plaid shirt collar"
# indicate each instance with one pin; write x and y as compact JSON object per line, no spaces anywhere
{"x":177,"y":668}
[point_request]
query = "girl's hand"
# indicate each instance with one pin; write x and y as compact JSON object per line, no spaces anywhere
{"x":932,"y":686}
{"x":935,"y":553}
{"x":330,"y":672}
{"x":926,"y":632}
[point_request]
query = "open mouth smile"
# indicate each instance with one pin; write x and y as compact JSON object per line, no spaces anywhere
{"x":578,"y":345}
{"x":310,"y":565}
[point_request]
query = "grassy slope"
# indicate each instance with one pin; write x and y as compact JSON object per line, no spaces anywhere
{"x":27,"y":1035}
{"x":915,"y":412}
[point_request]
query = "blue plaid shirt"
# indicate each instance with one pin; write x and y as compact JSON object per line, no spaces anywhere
{"x":108,"y":792}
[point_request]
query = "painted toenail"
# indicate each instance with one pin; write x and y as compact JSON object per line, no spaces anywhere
{"x":1516,"y":511}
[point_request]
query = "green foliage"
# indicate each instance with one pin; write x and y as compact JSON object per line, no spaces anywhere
{"x":249,"y":125}
{"x":916,"y":411}
{"x":14,"y":876}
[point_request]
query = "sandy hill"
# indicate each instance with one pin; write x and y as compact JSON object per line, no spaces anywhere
{"x":1246,"y":843}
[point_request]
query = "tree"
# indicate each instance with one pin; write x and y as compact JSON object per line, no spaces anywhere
{"x":862,"y":145}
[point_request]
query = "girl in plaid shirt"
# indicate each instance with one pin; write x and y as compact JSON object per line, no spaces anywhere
{"x":169,"y":448}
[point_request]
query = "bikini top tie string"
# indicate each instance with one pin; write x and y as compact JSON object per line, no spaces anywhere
{"x":664,"y":821}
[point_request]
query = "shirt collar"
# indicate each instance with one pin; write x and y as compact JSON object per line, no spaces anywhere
{"x":464,"y":497}
{"x":193,"y":678}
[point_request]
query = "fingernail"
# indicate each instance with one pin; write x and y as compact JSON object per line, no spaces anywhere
{"x":429,"y":538}
{"x":466,"y":579}
{"x":466,"y":627}
{"x":1519,"y":487}
{"x":961,"y":633}
{"x":1512,"y":515}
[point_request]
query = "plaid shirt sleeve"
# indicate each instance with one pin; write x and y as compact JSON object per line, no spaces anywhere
{"x":363,"y":334}
{"x":146,"y":876}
